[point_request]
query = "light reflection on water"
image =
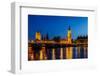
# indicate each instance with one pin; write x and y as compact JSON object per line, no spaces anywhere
{"x":67,"y":53}
{"x":61,"y":53}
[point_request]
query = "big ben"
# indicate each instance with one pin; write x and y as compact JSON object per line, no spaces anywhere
{"x":69,"y":38}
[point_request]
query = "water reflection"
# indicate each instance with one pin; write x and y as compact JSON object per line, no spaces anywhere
{"x":58,"y":53}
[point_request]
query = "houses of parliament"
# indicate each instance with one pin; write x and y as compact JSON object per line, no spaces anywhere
{"x":43,"y":48}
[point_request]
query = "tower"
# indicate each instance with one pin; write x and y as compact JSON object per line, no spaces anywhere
{"x":38,"y":36}
{"x":69,"y":39}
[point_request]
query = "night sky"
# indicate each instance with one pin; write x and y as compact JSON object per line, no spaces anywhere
{"x":57,"y":26}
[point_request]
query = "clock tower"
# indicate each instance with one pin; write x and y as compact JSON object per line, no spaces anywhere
{"x":69,"y":39}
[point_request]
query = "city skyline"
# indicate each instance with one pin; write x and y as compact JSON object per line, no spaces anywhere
{"x":57,"y":37}
{"x":57,"y":26}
